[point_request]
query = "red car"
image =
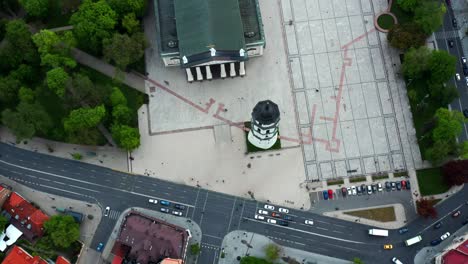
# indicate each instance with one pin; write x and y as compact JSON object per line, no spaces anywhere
{"x":403,"y":184}
{"x":456,"y":214}
{"x":274,"y":214}
{"x":330,"y":194}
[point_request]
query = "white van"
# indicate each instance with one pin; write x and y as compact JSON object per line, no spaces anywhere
{"x":413,"y":240}
{"x":378,"y":232}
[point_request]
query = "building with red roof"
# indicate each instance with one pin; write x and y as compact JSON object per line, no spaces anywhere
{"x":24,"y":216}
{"x":458,"y":255}
{"x":18,"y":255}
{"x":62,"y":260}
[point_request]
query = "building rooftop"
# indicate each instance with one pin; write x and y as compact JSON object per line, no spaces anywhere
{"x":149,"y":239}
{"x":192,"y":27}
{"x":458,"y":255}
{"x":18,"y":255}
{"x":266,"y":112}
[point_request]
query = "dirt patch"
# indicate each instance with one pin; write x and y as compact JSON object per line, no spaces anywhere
{"x":385,"y":214}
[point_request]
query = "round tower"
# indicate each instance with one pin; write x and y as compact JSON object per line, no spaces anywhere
{"x":264,"y":126}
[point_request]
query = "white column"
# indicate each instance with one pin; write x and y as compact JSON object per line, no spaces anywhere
{"x":209,"y":76}
{"x":199,"y":74}
{"x":223,"y":71}
{"x":189,"y":75}
{"x":232,"y":71}
{"x":241,"y":69}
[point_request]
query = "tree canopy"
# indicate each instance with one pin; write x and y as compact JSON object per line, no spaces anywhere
{"x":84,"y":118}
{"x":93,"y":22}
{"x":408,"y":5}
{"x":123,"y":7}
{"x":3,"y":223}
{"x":123,"y":49}
{"x":416,"y":62}
{"x":63,"y":230}
{"x":405,"y":36}
{"x":35,"y":8}
{"x":442,"y":66}
{"x":272,"y":252}
{"x":455,"y":172}
{"x":425,"y":208}
{"x":448,"y":126}
{"x":126,"y":137}
{"x":56,"y":80}
{"x":254,"y":260}
{"x":117,"y":97}
{"x":429,"y":15}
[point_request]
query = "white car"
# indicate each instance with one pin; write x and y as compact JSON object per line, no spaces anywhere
{"x":177,"y":213}
{"x":106,"y":212}
{"x":463,"y":60}
{"x":380,"y":187}
{"x":349,"y":191}
{"x":466,"y":80}
{"x":152,"y":201}
{"x":396,"y":261}
{"x":269,"y":207}
{"x":353,"y":190}
{"x":309,"y":222}
{"x":262,"y":212}
{"x":259,"y":217}
{"x":271,"y":221}
{"x":457,"y":76}
{"x":445,"y":236}
{"x":283,"y":210}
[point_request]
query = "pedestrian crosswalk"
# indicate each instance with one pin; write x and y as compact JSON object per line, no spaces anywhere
{"x":447,"y":34}
{"x":113,"y":214}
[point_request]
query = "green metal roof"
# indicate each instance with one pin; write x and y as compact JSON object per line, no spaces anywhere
{"x":205,"y":24}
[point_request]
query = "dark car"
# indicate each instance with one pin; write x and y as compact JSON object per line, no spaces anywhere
{"x":398,"y":185}
{"x":283,"y":223}
{"x":359,"y":190}
{"x":344,"y":191}
{"x":465,"y":112}
{"x":287,"y":218}
{"x":436,"y":242}
{"x":454,"y":23}
{"x":179,"y":206}
{"x":165,"y":203}
{"x":403,"y":230}
{"x":364,"y":189}
{"x":325,"y":194}
{"x":465,"y":69}
{"x":388,"y":186}
{"x":408,"y":185}
{"x":100,"y":247}
{"x":450,"y":43}
{"x":374,"y":188}
{"x":438,"y":225}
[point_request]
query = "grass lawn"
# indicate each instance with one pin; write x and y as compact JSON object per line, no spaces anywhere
{"x":402,"y":16}
{"x":385,"y":21}
{"x":431,"y":181}
{"x":335,"y":182}
{"x":385,"y":214}
{"x":357,"y":179}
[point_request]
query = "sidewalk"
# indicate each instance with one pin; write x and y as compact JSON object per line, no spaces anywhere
{"x":239,"y":243}
{"x":104,"y":156}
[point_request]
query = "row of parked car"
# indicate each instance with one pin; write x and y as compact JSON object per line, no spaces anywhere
{"x":168,"y":204}
{"x":281,"y":217}
{"x":369,"y":189}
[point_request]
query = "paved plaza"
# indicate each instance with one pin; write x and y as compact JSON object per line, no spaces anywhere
{"x":342,"y":94}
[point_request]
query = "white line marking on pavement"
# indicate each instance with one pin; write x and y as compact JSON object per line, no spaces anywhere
{"x":339,"y":225}
{"x":62,"y":190}
{"x":74,"y":186}
{"x":322,"y":228}
{"x":336,"y":231}
{"x":213,"y":236}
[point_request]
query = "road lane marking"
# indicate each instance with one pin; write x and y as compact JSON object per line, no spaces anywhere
{"x":322,"y":228}
{"x":90,"y":190}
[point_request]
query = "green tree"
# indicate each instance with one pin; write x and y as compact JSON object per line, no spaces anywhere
{"x":117,"y":97}
{"x":84,"y":118}
{"x":442,"y":93}
{"x":429,"y":15}
{"x":464,"y":150}
{"x":35,"y":8}
{"x":124,"y":50}
{"x":253,"y":260}
{"x":130,"y":23}
{"x":416,"y":62}
{"x":449,"y":124}
{"x":93,"y":22}
{"x":442,"y":66}
{"x":357,"y":261}
{"x":9,"y":88}
{"x":121,"y":114}
{"x":123,"y":7}
{"x":85,"y":90}
{"x":63,"y":230}
{"x":20,"y":128}
{"x":126,"y":137}
{"x":195,"y":249}
{"x":439,"y":151}
{"x":18,"y":46}
{"x":272,"y":252}
{"x":408,"y":5}
{"x":35,"y":114}
{"x":54,"y":50}
{"x":3,"y":223}
{"x":57,"y":79}
{"x":26,"y":95}
{"x":406,"y":36}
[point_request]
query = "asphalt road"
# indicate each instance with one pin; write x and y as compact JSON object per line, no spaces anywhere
{"x":445,"y":33}
{"x":216,"y":213}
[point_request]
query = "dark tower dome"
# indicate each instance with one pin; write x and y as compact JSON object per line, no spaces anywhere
{"x":266,"y":113}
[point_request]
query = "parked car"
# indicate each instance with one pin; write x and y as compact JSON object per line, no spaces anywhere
{"x":408,"y":185}
{"x":100,"y":247}
{"x":259,"y":217}
{"x":152,"y":201}
{"x":465,"y":69}
{"x":283,"y":223}
{"x":271,"y":221}
{"x":178,"y":213}
{"x":465,"y":112}
{"x":164,"y":210}
{"x":403,"y":184}
{"x":287,"y":218}
{"x":388,"y":246}
{"x":283,"y":210}
{"x":179,"y":206}
{"x":364,"y":188}
{"x":269,"y":207}
{"x":277,"y":215}
{"x":379,"y":186}
{"x":454,"y":23}
{"x":344,"y":192}
{"x":325,"y":194}
{"x":456,"y":214}
{"x":107,"y":211}
{"x":359,"y":190}
{"x":444,"y":236}
{"x":263,"y":212}
{"x":435,"y":242}
{"x":369,"y":189}
{"x":393,"y":186}
{"x":466,"y":81}
{"x":350,"y":192}
{"x":165,"y":203}
{"x":330,"y":194}
{"x":450,"y":43}
{"x":388,"y":186}
{"x":463,"y":60}
{"x":309,"y":222}
{"x":374,"y":188}
{"x":396,"y":261}
{"x":353,"y":190}
{"x":438,"y":225}
{"x":398,"y":186}
{"x":403,"y":230}
{"x":457,"y":76}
